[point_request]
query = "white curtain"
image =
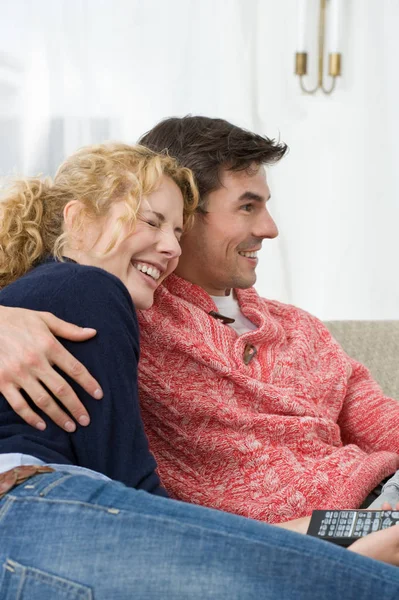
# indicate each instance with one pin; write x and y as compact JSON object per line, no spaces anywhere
{"x":74,"y":72}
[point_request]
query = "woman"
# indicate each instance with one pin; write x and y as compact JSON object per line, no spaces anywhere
{"x":111,"y":224}
{"x":93,"y":245}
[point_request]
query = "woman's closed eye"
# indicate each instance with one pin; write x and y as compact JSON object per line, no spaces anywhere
{"x":152,"y":223}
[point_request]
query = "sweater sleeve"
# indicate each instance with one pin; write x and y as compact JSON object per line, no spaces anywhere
{"x":368,"y":418}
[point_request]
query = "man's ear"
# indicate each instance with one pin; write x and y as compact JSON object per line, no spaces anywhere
{"x":71,"y":211}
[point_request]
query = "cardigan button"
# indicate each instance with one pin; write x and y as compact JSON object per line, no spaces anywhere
{"x":225,"y":320}
{"x":249,"y":352}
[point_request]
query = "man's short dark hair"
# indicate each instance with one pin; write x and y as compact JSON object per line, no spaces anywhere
{"x":207,"y":145}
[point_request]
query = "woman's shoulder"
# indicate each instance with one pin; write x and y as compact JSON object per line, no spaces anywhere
{"x":68,"y":287}
{"x":84,"y":275}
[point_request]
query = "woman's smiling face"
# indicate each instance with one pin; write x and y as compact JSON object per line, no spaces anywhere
{"x":145,"y":255}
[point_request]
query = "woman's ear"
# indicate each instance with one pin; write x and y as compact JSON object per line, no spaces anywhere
{"x":71,"y":211}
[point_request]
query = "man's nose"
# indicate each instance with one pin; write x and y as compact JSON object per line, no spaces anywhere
{"x":265,"y":227}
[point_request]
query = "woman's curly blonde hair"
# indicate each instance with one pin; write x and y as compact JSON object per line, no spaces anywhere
{"x":31,"y":210}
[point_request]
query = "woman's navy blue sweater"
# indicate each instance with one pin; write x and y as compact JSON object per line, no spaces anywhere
{"x":115,"y":442}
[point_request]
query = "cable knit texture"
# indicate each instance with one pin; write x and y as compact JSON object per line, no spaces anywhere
{"x":302,"y":426}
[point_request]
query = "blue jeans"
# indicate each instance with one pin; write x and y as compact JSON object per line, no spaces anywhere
{"x":72,"y":537}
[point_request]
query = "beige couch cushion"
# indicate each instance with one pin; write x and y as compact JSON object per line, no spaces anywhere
{"x":376,"y":345}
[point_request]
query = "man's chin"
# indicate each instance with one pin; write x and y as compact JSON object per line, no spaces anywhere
{"x":243,"y":283}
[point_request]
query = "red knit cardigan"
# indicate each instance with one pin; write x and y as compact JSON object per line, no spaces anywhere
{"x":301,"y":426}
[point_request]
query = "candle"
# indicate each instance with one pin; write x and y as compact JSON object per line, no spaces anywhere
{"x":302,"y":14}
{"x":336,"y":10}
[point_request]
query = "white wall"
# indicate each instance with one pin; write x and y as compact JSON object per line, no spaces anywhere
{"x":338,"y":189}
{"x":79,"y":71}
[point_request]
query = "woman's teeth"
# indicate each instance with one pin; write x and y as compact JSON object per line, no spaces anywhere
{"x":148,"y":270}
{"x":248,"y":254}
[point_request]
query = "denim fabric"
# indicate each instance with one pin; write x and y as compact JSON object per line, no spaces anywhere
{"x":389,"y":493}
{"x":9,"y":460}
{"x":72,"y":537}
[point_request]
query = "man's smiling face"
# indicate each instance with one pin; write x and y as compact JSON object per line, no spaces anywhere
{"x":219,"y":251}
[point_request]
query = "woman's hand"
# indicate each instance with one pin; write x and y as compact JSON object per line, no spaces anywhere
{"x":28,"y":351}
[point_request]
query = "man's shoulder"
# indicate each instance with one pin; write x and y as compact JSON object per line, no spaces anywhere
{"x":251,"y":296}
{"x":280,"y":310}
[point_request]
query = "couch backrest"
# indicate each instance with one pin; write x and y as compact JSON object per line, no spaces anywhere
{"x":376,"y":345}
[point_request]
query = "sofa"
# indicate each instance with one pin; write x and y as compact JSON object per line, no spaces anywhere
{"x":376,"y":345}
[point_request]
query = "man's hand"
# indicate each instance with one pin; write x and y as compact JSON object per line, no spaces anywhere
{"x":28,"y":351}
{"x":300,"y":525}
{"x":381,"y":545}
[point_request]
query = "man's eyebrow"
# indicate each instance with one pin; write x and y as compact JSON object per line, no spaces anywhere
{"x":252,"y":196}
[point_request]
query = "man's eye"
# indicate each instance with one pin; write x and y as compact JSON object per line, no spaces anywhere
{"x":247,"y":207}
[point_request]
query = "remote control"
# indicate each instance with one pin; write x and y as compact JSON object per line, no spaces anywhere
{"x":344,"y":527}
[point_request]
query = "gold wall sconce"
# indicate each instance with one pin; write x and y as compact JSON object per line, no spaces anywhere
{"x":334,"y":57}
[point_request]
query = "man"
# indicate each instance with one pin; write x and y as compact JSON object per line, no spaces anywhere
{"x":250,"y":406}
